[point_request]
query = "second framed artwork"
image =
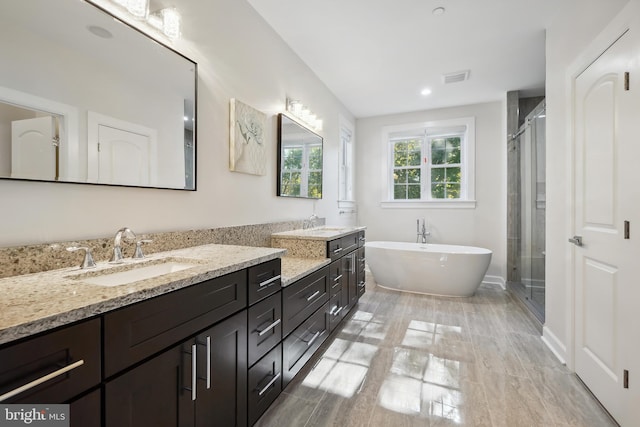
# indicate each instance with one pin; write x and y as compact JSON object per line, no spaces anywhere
{"x":247,"y":145}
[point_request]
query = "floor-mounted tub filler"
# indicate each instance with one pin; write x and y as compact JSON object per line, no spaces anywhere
{"x":447,"y":270}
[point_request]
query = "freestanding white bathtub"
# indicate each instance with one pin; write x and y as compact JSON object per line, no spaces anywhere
{"x":446,"y":270}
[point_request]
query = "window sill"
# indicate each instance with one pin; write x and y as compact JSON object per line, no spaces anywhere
{"x":435,"y":204}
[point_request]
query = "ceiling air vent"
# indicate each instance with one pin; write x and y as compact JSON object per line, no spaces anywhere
{"x":460,"y":76}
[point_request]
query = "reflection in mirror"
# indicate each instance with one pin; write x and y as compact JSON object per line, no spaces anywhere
{"x":299,"y":160}
{"x":86,"y":98}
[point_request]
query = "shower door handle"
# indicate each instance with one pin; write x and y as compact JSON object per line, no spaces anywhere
{"x":576,"y":240}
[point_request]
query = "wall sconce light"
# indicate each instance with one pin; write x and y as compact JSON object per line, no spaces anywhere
{"x":305,"y":115}
{"x":165,"y":20}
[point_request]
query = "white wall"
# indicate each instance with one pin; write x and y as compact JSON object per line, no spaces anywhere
{"x":483,"y":226}
{"x":565,"y":43}
{"x":239,"y":56}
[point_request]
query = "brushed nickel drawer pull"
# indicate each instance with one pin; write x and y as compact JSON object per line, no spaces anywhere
{"x":339,"y":309}
{"x":41,"y":380}
{"x":315,"y":294}
{"x":194,"y":373}
{"x":261,"y":332}
{"x":270,"y":281}
{"x":208,"y":362}
{"x":337,"y":278}
{"x":315,"y":337}
{"x":263,"y":391}
{"x":337,"y":251}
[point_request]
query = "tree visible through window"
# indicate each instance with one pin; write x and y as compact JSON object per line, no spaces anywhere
{"x":301,"y":174}
{"x":427,"y":167}
{"x":446,"y":167}
{"x":406,"y":169}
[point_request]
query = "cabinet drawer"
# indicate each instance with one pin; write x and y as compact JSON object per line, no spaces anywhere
{"x":264,"y":280}
{"x":265,"y":383}
{"x":349,"y":242}
{"x":336,"y":277}
{"x":138,"y":331}
{"x":70,"y":357}
{"x":302,"y":298}
{"x":335,"y":249}
{"x":264,"y":326}
{"x":300,"y":345}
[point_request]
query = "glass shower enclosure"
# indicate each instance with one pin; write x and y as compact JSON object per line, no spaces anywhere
{"x":528,"y":271}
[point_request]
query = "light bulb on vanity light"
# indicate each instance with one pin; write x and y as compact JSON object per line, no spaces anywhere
{"x":138,"y":8}
{"x":171,"y":23}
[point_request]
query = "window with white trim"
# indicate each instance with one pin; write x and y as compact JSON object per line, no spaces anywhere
{"x":431,"y":163}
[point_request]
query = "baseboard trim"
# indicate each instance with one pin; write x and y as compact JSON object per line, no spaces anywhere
{"x":555,"y":345}
{"x":495,"y":280}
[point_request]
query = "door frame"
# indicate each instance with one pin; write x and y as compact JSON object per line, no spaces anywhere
{"x":69,"y":149}
{"x":95,"y":120}
{"x":624,"y":21}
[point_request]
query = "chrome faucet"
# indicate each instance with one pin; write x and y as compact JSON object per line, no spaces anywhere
{"x":311,"y":222}
{"x":422,"y":231}
{"x":129,"y":236}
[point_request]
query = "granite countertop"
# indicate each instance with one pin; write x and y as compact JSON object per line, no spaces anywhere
{"x":324,"y":232}
{"x":38,"y":302}
{"x":294,"y":268}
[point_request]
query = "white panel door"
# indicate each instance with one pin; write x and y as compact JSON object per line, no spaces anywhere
{"x":33,"y":152}
{"x":124,"y":157}
{"x":603,"y":200}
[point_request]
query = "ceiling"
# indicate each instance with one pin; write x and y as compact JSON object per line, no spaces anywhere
{"x":377,"y":56}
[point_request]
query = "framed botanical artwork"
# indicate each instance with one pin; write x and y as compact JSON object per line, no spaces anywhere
{"x":247,"y":146}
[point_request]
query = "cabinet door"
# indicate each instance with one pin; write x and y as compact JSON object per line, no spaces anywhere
{"x":350,"y":286}
{"x":86,"y":411}
{"x":221,"y":397}
{"x":156,"y":393}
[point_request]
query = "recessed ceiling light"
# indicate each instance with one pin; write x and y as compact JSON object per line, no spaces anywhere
{"x":99,"y":31}
{"x":438,"y":11}
{"x":425,"y":92}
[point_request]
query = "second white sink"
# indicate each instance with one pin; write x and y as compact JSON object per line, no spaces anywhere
{"x":136,"y":274}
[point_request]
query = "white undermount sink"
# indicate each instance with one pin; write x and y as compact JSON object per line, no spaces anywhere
{"x":135,"y":274}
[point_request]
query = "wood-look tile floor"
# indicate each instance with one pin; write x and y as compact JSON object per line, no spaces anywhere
{"x":415,"y":360}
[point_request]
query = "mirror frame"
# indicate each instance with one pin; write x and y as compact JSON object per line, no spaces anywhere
{"x":308,"y":131}
{"x":100,"y":9}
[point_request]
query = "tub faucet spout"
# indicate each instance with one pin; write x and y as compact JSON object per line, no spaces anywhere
{"x":422,"y":232}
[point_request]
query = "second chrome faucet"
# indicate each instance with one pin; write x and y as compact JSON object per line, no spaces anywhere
{"x":123,"y":234}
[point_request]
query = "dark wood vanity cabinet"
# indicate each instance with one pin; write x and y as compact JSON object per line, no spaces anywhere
{"x":200,"y":382}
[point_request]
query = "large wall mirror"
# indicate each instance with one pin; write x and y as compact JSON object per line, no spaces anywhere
{"x":86,"y":98}
{"x":299,"y":160}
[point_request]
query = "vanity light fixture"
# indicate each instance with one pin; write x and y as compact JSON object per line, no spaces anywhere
{"x":166,"y":20}
{"x":305,"y":115}
{"x":138,"y":8}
